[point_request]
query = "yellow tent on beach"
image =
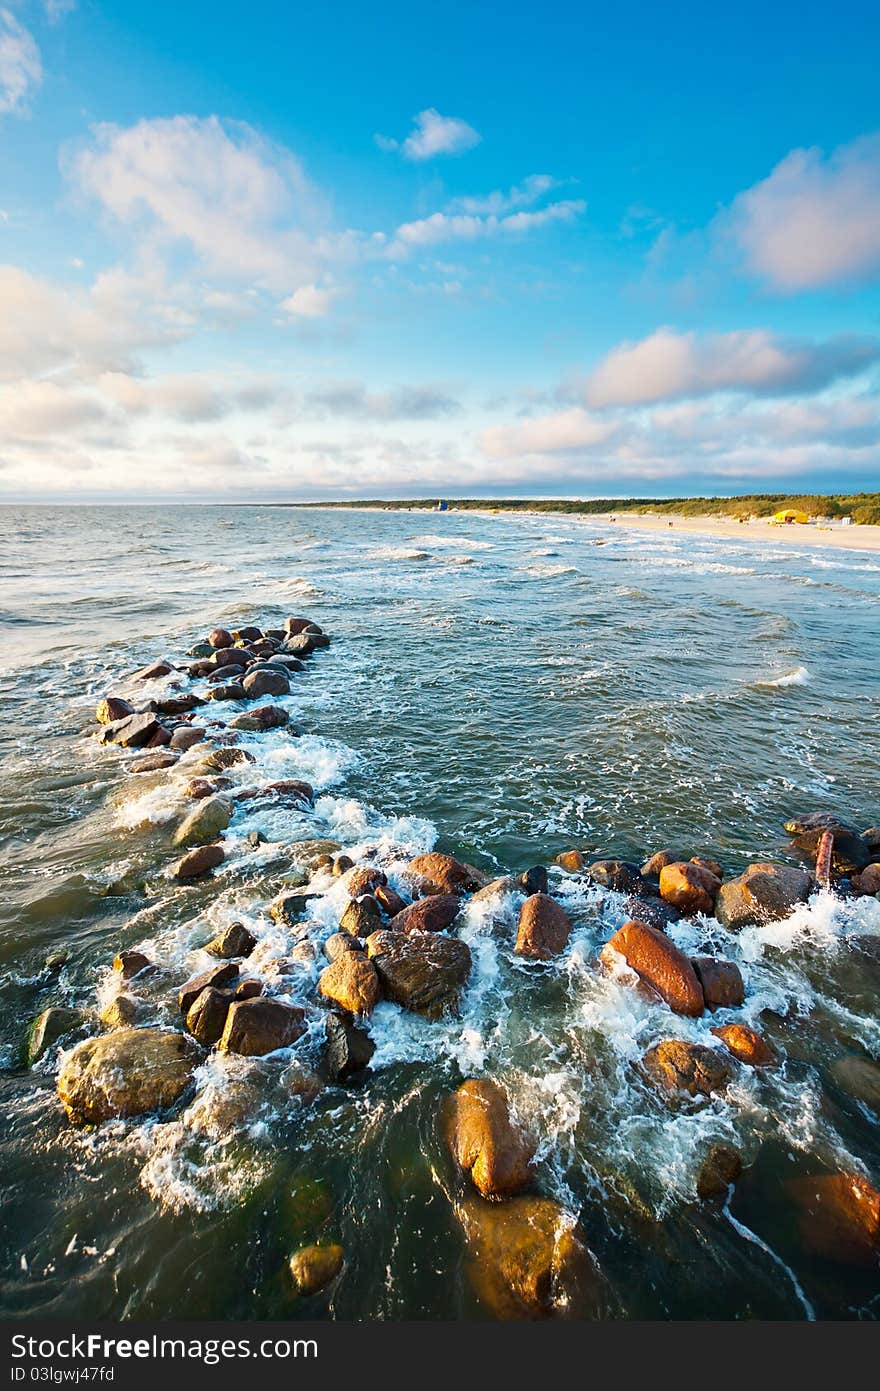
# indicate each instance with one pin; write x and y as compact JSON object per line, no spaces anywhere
{"x":788,"y":515}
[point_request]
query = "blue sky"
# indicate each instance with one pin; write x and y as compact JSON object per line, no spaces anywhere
{"x":265,"y":251}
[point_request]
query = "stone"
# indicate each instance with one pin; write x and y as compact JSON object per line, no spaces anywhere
{"x":652,"y":911}
{"x":112,"y":709}
{"x":286,"y":663}
{"x":161,"y":739}
{"x":199,"y":861}
{"x":266,"y":683}
{"x":496,"y":891}
{"x":310,"y":852}
{"x":860,"y":1079}
{"x":258,"y":1026}
{"x":746,"y":1044}
{"x":228,"y":690}
{"x":262,"y":718}
{"x":711,"y":866}
{"x":220,"y":637}
{"x":200,"y":649}
{"x":572,"y":861}
{"x":485,"y":1141}
{"x":660,"y":964}
{"x":228,"y":756}
{"x":131,"y":963}
{"x":247,"y":989}
{"x":341,"y":865}
{"x":361,"y":917}
{"x":720,"y":1168}
{"x":657,"y":862}
{"x":299,"y":645}
{"x":431,"y":914}
{"x":678,"y":1066}
{"x":214,"y":978}
{"x":544,"y":928}
{"x":721,"y":980}
{"x":363,"y":879}
{"x":867,"y":882}
{"x":349,"y":1049}
{"x":871,"y":837}
{"x":351,"y":983}
{"x":423,"y":972}
{"x":291,"y":788}
{"x":764,"y":893}
{"x":234,"y":940}
{"x":313,"y":1267}
{"x":534,"y":880}
{"x":340,"y":942}
{"x":198,"y":788}
{"x":450,"y":876}
{"x":132,"y":731}
{"x":122,"y":1012}
{"x":49,"y":1026}
{"x":178,"y":705}
{"x":839,"y":1217}
{"x":293,"y":626}
{"x":689,"y":888}
{"x":206,"y":1016}
{"x":289,"y":908}
{"x":619,"y":875}
{"x":128,"y":1072}
{"x":849,"y":853}
{"x":224,"y":674}
{"x":301,"y":1081}
{"x":186,"y":737}
{"x":205,"y":822}
{"x":249,"y":633}
{"x":389,"y":900}
{"x":527,"y":1257}
{"x":152,"y":672}
{"x":231,"y":657}
{"x":152,"y":762}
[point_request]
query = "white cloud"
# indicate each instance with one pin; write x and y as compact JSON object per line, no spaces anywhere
{"x":446,"y":227}
{"x":522,"y":195}
{"x":814,"y":221}
{"x":20,"y":66}
{"x":309,"y":301}
{"x":565,"y":430}
{"x":240,"y":205}
{"x":433,"y":135}
{"x":667,"y":365}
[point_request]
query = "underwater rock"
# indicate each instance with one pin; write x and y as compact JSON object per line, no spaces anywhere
{"x":485,"y":1141}
{"x":721,"y":981}
{"x":689,"y":888}
{"x":258,"y":1026}
{"x":234,"y":940}
{"x":660,"y":964}
{"x":764,"y":893}
{"x":450,"y":876}
{"x":313,"y":1267}
{"x":288,"y":908}
{"x":205,"y":822}
{"x":839,"y":1217}
{"x":721,"y":1167}
{"x":652,"y":911}
{"x":527,"y":1258}
{"x":678,"y":1066}
{"x":860,"y":1079}
{"x":112,"y":709}
{"x":544,"y":928}
{"x":424,"y":972}
{"x":199,"y":861}
{"x":349,"y":1048}
{"x":125,"y":1073}
{"x":351,"y":982}
{"x":746,"y":1044}
{"x":310,"y":853}
{"x":431,"y":914}
{"x":572,"y":861}
{"x":49,"y":1026}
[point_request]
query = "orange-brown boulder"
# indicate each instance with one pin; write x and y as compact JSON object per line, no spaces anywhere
{"x":747,"y":1045}
{"x":544,"y":928}
{"x":484,"y":1140}
{"x":712,"y":866}
{"x":658,"y":861}
{"x":527,"y":1259}
{"x":839,"y":1217}
{"x":721,"y":980}
{"x":689,"y":887}
{"x":362,"y":879}
{"x":351,"y":982}
{"x":450,"y":876}
{"x":431,"y":914}
{"x":660,"y":964}
{"x":571,"y":860}
{"x":678,"y":1066}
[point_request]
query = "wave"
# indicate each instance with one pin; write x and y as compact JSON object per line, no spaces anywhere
{"x":799,"y":677}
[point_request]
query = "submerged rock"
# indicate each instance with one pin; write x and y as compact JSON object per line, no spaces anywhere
{"x":839,"y":1217}
{"x":310,"y":853}
{"x":746,"y":1044}
{"x":125,"y":1073}
{"x":721,"y":980}
{"x":544,"y":928}
{"x":572,"y":861}
{"x":688,"y":887}
{"x":48,"y":1027}
{"x":431,"y":914}
{"x":205,"y":822}
{"x":288,"y":908}
{"x":721,"y":1167}
{"x":660,"y":964}
{"x":859,"y":1078}
{"x":351,"y":982}
{"x":485,"y":1141}
{"x":261,"y":1025}
{"x":527,"y":1258}
{"x":764,"y":893}
{"x":678,"y":1066}
{"x":652,"y":911}
{"x":349,"y":1049}
{"x":450,"y":876}
{"x":424,"y":972}
{"x":313,"y":1267}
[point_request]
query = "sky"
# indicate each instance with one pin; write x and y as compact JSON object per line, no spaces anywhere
{"x":289,"y":252}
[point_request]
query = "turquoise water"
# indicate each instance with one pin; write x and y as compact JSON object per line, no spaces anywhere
{"x":504,"y":687}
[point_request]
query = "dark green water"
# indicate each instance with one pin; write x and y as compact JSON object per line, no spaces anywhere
{"x":504,"y":687}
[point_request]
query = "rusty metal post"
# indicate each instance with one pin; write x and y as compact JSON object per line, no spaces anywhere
{"x":823,"y":859}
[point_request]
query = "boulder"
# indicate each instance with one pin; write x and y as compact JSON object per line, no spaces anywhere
{"x":125,"y":1073}
{"x":363,"y":879}
{"x":485,"y":1141}
{"x":621,"y":876}
{"x":544,"y":928}
{"x":720,"y":1168}
{"x":293,"y":626}
{"x":309,"y":853}
{"x":361,"y":917}
{"x":389,"y":900}
{"x":431,"y":914}
{"x":220,"y":637}
{"x":177,"y":705}
{"x":572,"y":861}
{"x":199,"y":788}
{"x":652,"y":911}
{"x":289,"y":908}
{"x":205,"y":822}
{"x":123,"y":1012}
{"x":660,"y":964}
{"x":112,"y":709}
{"x":657,"y":862}
{"x":206,"y":1016}
{"x":712,"y":866}
{"x":351,"y":983}
{"x":746,"y":1044}
{"x":228,"y":690}
{"x":231,"y":657}
{"x":339,"y":942}
{"x":534,"y":880}
{"x":200,"y":649}
{"x":152,"y":672}
{"x":152,"y":762}
{"x":341,"y":865}
{"x":526,"y":1257}
{"x":224,"y":675}
{"x":424,"y":972}
{"x":764,"y":893}
{"x":266,"y":683}
{"x":313,"y":1267}
{"x":689,"y":888}
{"x":258,"y":1026}
{"x":234,"y":940}
{"x":678,"y":1066}
{"x":721,"y":980}
{"x":349,"y":1049}
{"x":839,"y":1217}
{"x":867,"y":882}
{"x":289,"y":788}
{"x":215,"y":978}
{"x":299,"y":645}
{"x":249,"y":633}
{"x":859,"y":1078}
{"x":49,"y":1026}
{"x":199,"y":861}
{"x":132,"y":731}
{"x":262,"y":718}
{"x":186,"y":737}
{"x":227,"y":756}
{"x":850,"y":852}
{"x":131,"y":963}
{"x":871,"y":837}
{"x":450,"y":876}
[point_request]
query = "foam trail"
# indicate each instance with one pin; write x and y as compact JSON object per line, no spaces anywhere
{"x":749,"y":1235}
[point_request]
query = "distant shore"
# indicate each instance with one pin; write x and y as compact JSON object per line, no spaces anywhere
{"x":850,"y":538}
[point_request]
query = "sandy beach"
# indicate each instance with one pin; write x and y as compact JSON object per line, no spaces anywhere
{"x":850,"y":538}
